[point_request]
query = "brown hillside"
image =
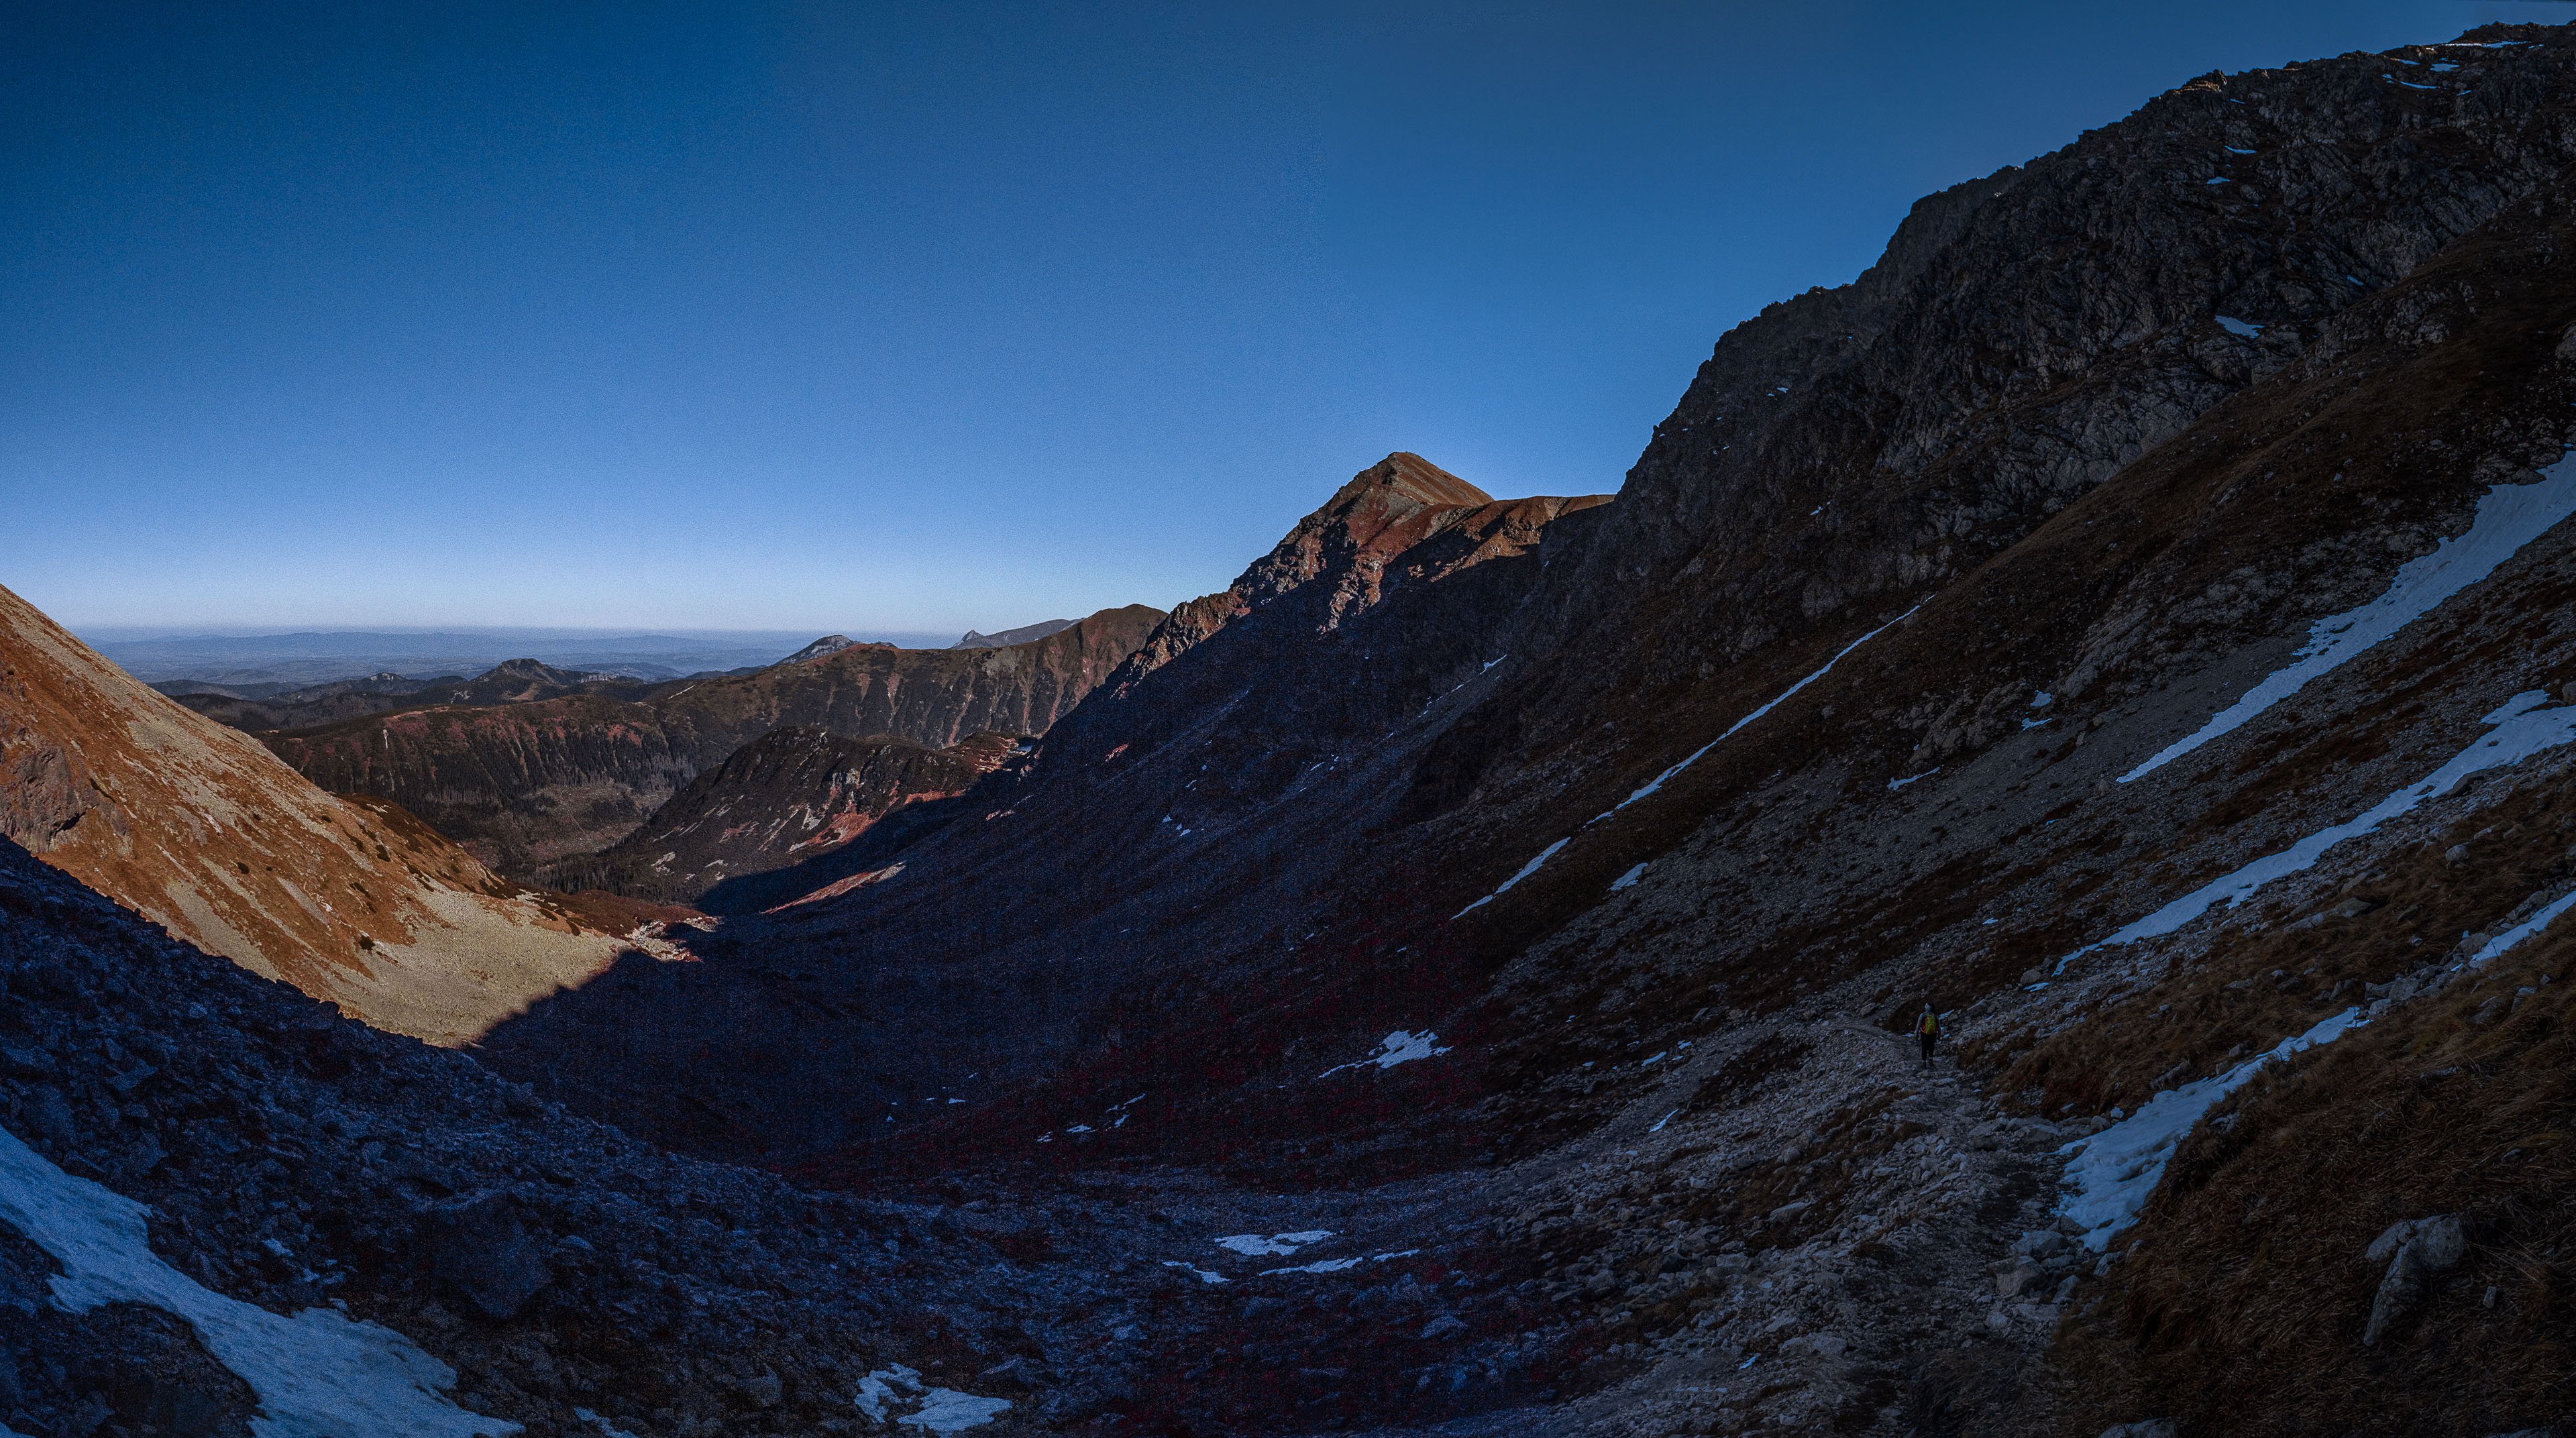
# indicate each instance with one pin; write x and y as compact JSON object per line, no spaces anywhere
{"x":201,"y":829}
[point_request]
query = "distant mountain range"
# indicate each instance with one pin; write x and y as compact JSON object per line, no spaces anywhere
{"x":539,"y":765}
{"x":247,"y":663}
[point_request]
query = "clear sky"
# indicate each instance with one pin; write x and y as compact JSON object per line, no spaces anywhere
{"x":919,"y":317}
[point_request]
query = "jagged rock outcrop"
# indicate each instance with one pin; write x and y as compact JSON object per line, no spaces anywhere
{"x":203,"y":831}
{"x":525,"y":784}
{"x":789,"y":797}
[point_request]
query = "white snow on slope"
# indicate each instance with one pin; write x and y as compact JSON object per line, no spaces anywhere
{"x":2495,"y":947}
{"x":1629,"y":879}
{"x":2115,"y":1170}
{"x":2509,"y":517}
{"x":1526,"y":870}
{"x":2237,"y":327}
{"x":1396,"y":1048}
{"x":317,"y":1374}
{"x":2519,"y":734}
{"x":1341,"y":1265}
{"x":943,"y":1410}
{"x":1658,"y":781}
{"x":1253,"y":1245}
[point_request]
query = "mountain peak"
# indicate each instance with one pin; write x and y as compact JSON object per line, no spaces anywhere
{"x":530,"y":669}
{"x":1025,"y":634}
{"x":828,"y":644}
{"x":1410,"y":475}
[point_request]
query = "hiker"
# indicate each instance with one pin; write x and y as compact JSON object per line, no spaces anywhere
{"x":1928,"y":1029}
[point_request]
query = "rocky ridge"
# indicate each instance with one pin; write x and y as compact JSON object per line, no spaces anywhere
{"x":524,"y":784}
{"x":518,"y":681}
{"x":789,"y":798}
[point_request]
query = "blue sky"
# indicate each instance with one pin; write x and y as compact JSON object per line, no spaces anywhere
{"x":856,"y":317}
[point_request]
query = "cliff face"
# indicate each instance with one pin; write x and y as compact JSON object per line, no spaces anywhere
{"x":203,"y":831}
{"x":790,"y":797}
{"x":2130,"y":619}
{"x":524,"y":784}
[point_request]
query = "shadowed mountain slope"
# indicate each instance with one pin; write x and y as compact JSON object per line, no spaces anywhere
{"x":524,"y":784}
{"x":202,"y":830}
{"x":1167,"y":781}
{"x":2131,"y":618}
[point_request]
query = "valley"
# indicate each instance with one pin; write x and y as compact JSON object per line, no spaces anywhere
{"x":1468,"y":975}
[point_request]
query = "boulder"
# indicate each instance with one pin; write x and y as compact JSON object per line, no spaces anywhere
{"x":2424,"y":1249}
{"x":478,"y":1247}
{"x":2020,"y":1276}
{"x":2041,"y":1243}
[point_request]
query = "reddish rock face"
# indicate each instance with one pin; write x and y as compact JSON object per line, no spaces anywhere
{"x":524,"y":784}
{"x":1364,"y":540}
{"x":201,"y":829}
{"x":790,"y":797}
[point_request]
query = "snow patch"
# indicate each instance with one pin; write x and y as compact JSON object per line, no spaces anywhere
{"x":1253,"y":1245}
{"x":1629,"y":879}
{"x":2519,"y":734}
{"x":1204,"y":1275}
{"x":1658,"y":781}
{"x":317,"y":1374}
{"x":2239,"y":328}
{"x":945,"y":1410}
{"x":1396,"y":1048}
{"x":1895,"y":784}
{"x":1526,"y":870}
{"x":2509,"y":517}
{"x":1341,"y":1265}
{"x":942,"y":1410}
{"x":2496,"y":946}
{"x":2113,"y":1172}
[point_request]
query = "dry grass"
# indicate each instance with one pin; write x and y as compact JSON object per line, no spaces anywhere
{"x":2242,"y":1309}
